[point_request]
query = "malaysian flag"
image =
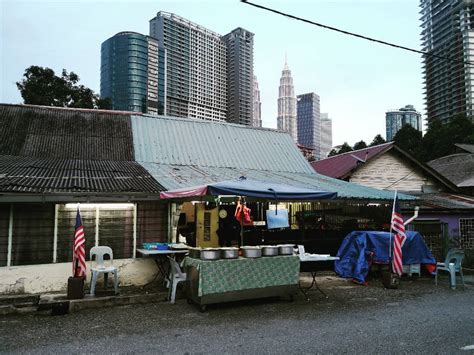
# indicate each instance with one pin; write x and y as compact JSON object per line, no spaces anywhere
{"x":79,"y":250}
{"x":399,"y":229}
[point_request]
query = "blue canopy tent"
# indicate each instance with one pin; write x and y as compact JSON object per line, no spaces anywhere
{"x":360,"y":248}
{"x":250,"y":188}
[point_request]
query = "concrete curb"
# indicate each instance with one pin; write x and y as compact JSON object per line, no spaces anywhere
{"x":58,"y":304}
{"x":110,"y":301}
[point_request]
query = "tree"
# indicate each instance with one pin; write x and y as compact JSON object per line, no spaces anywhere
{"x":332,"y":153}
{"x":440,"y":138}
{"x":345,"y":147}
{"x":377,"y":140}
{"x":41,"y":86}
{"x":409,"y":139}
{"x":360,"y":145}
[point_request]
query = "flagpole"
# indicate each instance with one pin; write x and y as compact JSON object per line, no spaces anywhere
{"x":390,"y":239}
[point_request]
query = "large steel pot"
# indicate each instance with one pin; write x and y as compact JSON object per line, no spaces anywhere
{"x":210,"y":254}
{"x":269,"y":250}
{"x":285,"y":249}
{"x":252,"y":252}
{"x":229,"y":253}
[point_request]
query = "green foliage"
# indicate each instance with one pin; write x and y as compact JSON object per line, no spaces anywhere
{"x":410,"y":140}
{"x":440,"y":138}
{"x":377,"y":140}
{"x":360,"y":145}
{"x":332,"y":153}
{"x":345,"y":148}
{"x":41,"y":86}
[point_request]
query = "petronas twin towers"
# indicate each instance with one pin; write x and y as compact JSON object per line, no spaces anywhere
{"x":286,"y":120}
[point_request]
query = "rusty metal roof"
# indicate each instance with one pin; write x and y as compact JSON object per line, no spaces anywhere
{"x":36,"y":175}
{"x":59,"y":133}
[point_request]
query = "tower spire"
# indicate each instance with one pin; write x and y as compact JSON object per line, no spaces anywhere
{"x":285,"y":67}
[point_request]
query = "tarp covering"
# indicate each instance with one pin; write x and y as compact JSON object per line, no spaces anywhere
{"x":360,"y":248}
{"x":251,"y":188}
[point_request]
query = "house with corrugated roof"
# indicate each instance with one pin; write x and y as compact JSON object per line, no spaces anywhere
{"x":458,"y":167}
{"x":444,"y":209}
{"x":114,"y":164}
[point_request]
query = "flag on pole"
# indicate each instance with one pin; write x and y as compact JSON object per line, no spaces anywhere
{"x":79,"y":250}
{"x":399,"y":230}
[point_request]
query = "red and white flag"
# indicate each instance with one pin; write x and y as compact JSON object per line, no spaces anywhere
{"x":399,"y":230}
{"x":79,"y":249}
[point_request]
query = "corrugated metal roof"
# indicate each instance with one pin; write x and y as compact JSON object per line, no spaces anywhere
{"x":458,"y":168}
{"x":52,"y":132}
{"x":466,"y":147}
{"x":174,"y":141}
{"x":340,"y":165}
{"x":445,"y":200}
{"x":178,"y":176}
{"x":25,"y":174}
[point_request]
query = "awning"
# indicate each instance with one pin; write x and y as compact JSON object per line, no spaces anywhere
{"x":250,"y":188}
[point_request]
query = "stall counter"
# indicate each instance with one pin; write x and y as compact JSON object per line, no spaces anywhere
{"x":243,"y":278}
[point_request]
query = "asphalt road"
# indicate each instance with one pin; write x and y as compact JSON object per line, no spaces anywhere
{"x":417,"y":318}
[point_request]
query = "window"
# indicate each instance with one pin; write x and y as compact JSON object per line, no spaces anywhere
{"x":466,"y":231}
{"x":4,"y":223}
{"x":33,"y":234}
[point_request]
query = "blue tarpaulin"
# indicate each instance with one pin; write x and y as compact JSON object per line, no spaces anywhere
{"x":360,"y":248}
{"x":251,"y":188}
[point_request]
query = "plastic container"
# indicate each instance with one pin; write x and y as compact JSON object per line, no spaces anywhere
{"x":156,"y":246}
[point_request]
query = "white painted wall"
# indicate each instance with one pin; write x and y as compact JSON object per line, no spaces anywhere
{"x":53,"y":277}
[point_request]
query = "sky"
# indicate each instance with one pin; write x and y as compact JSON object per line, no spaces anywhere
{"x":357,"y":81}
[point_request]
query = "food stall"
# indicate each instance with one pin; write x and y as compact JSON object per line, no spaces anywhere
{"x":218,"y":275}
{"x":240,"y":278}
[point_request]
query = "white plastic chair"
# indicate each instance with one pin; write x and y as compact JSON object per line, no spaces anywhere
{"x":101,"y":268}
{"x":177,"y":276}
{"x":452,"y":264}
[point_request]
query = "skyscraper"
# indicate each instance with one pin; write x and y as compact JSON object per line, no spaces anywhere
{"x":447,"y":32}
{"x":326,"y":135}
{"x":257,"y":105}
{"x":308,"y":121}
{"x":286,"y":120}
{"x":239,"y":44}
{"x":196,"y":67}
{"x":396,"y":119}
{"x":132,"y":73}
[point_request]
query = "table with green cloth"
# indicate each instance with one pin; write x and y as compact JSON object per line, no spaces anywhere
{"x":228,"y":275}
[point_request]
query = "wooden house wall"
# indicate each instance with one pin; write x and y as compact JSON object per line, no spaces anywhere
{"x":391,"y":172}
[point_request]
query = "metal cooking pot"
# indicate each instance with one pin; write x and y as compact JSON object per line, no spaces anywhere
{"x":210,"y":254}
{"x":252,"y":252}
{"x":229,"y":253}
{"x":285,"y":249}
{"x":269,"y":250}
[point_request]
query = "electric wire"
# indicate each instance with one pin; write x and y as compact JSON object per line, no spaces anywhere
{"x":331,"y":28}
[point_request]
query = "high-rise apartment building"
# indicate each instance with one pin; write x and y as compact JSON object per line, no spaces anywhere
{"x":286,"y":120}
{"x":132,"y":73}
{"x":326,"y":135}
{"x":196,"y":67}
{"x":257,"y":105}
{"x":308,"y":122}
{"x":239,"y":44}
{"x":447,"y":32}
{"x":396,"y":119}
